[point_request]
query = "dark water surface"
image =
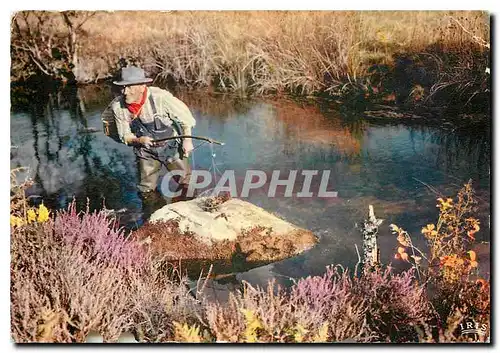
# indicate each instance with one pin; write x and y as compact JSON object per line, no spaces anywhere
{"x":383,"y":164}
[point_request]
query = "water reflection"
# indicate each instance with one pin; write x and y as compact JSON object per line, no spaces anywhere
{"x":306,"y":125}
{"x":64,"y":159}
{"x":386,"y":165}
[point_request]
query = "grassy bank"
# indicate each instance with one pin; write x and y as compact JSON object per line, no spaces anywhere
{"x":76,"y":273}
{"x":436,"y":57}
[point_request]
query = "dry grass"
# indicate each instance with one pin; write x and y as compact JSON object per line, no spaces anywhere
{"x":302,"y":52}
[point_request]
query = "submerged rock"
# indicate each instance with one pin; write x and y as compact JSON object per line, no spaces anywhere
{"x":226,"y":223}
{"x":234,"y":231}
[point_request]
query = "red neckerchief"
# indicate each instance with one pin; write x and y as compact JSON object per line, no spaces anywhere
{"x":135,"y":108}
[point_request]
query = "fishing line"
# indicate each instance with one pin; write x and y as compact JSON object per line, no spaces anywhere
{"x":213,"y":169}
{"x":213,"y":166}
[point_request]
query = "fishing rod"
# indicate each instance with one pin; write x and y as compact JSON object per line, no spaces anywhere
{"x":193,"y":137}
{"x":213,"y":168}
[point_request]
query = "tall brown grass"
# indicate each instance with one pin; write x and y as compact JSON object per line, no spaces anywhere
{"x":302,"y":52}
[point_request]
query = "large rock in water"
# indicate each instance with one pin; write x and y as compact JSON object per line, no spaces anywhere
{"x":257,"y":232}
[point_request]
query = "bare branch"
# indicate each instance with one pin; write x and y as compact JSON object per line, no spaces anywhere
{"x":42,"y":67}
{"x":89,"y":15}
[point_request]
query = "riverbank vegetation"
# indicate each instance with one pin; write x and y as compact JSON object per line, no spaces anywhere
{"x":424,"y":58}
{"x":75,"y":273}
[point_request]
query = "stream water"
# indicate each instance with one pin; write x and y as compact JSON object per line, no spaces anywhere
{"x":387,"y":164}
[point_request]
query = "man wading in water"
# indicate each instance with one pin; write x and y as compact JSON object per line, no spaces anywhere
{"x":142,"y":114}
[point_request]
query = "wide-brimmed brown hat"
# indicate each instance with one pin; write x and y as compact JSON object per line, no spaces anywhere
{"x":132,"y":75}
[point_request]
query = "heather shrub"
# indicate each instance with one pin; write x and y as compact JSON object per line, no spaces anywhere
{"x":380,"y":306}
{"x":255,"y":316}
{"x":160,"y":298}
{"x":395,"y":303}
{"x":330,"y":298}
{"x":59,"y":293}
{"x":95,"y":234}
{"x":226,"y":322}
{"x":72,"y":273}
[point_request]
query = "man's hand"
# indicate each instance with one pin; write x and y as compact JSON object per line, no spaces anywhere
{"x":146,"y":141}
{"x":187,"y":146}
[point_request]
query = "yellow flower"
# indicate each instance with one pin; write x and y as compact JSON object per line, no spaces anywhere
{"x":43,"y":213}
{"x":472,"y":255}
{"x":31,"y":215}
{"x":395,"y":228}
{"x":429,"y":227}
{"x":444,"y":205}
{"x":253,"y":324}
{"x":16,"y":221}
{"x":429,"y":230}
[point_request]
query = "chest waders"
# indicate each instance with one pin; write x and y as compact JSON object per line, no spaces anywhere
{"x":168,"y":153}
